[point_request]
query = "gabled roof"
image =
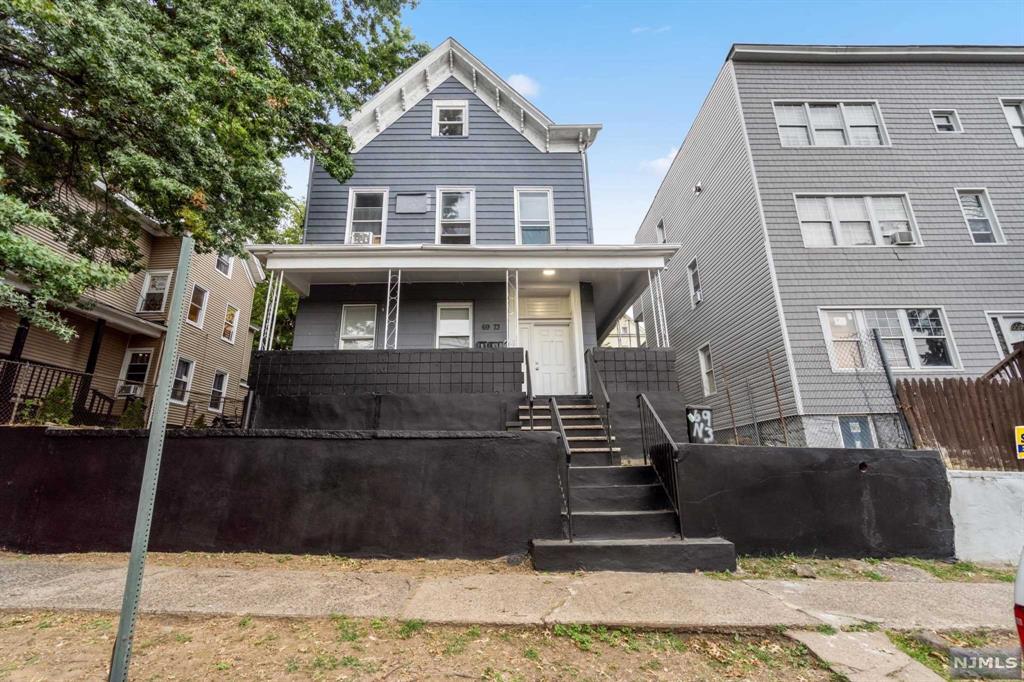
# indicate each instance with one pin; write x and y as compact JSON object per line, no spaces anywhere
{"x":450,"y":59}
{"x":876,"y":53}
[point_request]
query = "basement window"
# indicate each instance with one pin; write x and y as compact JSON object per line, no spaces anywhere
{"x":451,"y":118}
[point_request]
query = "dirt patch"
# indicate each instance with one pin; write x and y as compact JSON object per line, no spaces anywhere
{"x":899,"y":569}
{"x":66,"y":646}
{"x":298,"y":562}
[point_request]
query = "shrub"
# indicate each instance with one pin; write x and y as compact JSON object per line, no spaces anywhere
{"x":56,"y":408}
{"x":134,"y":415}
{"x":199,"y":422}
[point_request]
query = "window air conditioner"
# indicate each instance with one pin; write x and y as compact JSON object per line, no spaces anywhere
{"x":364,"y":238}
{"x":902,"y":238}
{"x":697,"y":296}
{"x":130,"y":390}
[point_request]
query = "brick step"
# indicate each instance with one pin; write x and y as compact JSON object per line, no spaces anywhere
{"x":644,"y":555}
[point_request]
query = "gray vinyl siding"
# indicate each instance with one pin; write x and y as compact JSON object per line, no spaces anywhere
{"x":318,"y":319}
{"x":948,"y":270}
{"x":720,"y":227}
{"x":494,"y":159}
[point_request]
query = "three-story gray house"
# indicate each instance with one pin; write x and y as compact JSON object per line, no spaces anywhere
{"x":825,"y":192}
{"x":466,"y":225}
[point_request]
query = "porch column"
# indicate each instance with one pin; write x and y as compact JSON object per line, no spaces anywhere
{"x":391,"y":309}
{"x":90,"y":365}
{"x":658,"y":310}
{"x":666,"y":341}
{"x":267,"y":329}
{"x":511,"y":308}
{"x":9,"y":375}
{"x":655,"y":319}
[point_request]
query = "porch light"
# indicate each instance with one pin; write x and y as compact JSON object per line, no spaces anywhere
{"x":548,"y":273}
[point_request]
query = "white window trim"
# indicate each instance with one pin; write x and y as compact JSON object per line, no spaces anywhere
{"x":997,"y":229}
{"x":188,"y":381}
{"x":234,"y":329}
{"x":202,"y":311}
{"x":882,"y":128}
{"x":231,"y":265}
{"x":472,"y":212}
{"x":908,"y":337}
{"x":957,"y":125}
{"x":468,"y":305}
{"x":871,"y":429}
{"x":149,"y":365}
{"x":691,"y":268}
{"x":145,"y":287}
{"x":989,"y":314}
{"x":551,"y":210}
{"x":659,"y":232}
{"x":341,"y":329}
{"x":1003,"y":102}
{"x":449,"y":104}
{"x":704,"y":369}
{"x":879,"y":243}
{"x":352,"y":192}
{"x":224,"y":395}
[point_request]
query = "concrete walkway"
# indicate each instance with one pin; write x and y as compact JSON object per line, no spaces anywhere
{"x":634,"y":599}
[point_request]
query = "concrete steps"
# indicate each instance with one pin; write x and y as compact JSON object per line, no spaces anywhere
{"x":643,"y":555}
{"x":579,"y":414}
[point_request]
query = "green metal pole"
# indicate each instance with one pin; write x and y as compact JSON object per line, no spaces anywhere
{"x":151,"y":473}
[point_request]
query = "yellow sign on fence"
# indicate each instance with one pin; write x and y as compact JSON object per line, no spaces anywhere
{"x":1018,"y":440}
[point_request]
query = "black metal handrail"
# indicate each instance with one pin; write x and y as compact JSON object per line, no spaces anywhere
{"x":529,"y":384}
{"x":598,"y":391}
{"x":556,"y":425}
{"x":661,"y":452}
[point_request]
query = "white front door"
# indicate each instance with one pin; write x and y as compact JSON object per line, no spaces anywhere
{"x":552,"y":361}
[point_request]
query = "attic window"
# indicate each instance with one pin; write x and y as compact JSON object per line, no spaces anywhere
{"x":451,"y":118}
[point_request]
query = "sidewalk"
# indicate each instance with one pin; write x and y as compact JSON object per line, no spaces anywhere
{"x":682,"y":601}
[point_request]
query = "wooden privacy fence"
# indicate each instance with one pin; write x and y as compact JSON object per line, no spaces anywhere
{"x":969,"y":421}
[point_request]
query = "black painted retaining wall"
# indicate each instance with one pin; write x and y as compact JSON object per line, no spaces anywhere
{"x":824,"y":501}
{"x":636,"y":370}
{"x":470,"y":495}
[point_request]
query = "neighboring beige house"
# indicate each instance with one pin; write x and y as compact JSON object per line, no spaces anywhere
{"x":115,"y":356}
{"x":627,"y":333}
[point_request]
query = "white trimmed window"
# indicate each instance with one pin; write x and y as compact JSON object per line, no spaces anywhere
{"x":134,"y":371}
{"x":197,"y":306}
{"x":230,"y":323}
{"x":154,"y":291}
{"x":451,"y":118}
{"x":829,"y":124}
{"x":707,"y":370}
{"x":218,"y":390}
{"x":856,"y":431}
{"x":367,"y":221}
{"x":358,"y":326}
{"x":696,"y":295}
{"x":980,"y":217}
{"x":182,"y":381}
{"x":946,"y":121}
{"x":850,"y":220}
{"x":454,"y":325}
{"x":1008,"y":329}
{"x":1014,"y":110}
{"x":913,"y":338}
{"x":535,"y":215}
{"x":659,"y":231}
{"x":456,"y":215}
{"x":223,"y":264}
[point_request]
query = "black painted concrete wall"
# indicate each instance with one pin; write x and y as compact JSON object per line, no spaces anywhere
{"x":637,"y":369}
{"x":339,"y":372}
{"x":470,"y":495}
{"x":828,"y":502}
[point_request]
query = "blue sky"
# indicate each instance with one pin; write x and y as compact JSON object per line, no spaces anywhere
{"x":642,"y":68}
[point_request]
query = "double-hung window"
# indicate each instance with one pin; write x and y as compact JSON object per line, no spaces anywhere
{"x":855,"y":220}
{"x":358,"y":326}
{"x":456,"y":220}
{"x":981,"y":219}
{"x":134,"y":371}
{"x":154,"y":291}
{"x":223,"y":264}
{"x":182,"y":380}
{"x":696,"y":295}
{"x":707,"y":370}
{"x":367,"y":216}
{"x":454,"y":325}
{"x":451,"y":118}
{"x":218,"y":390}
{"x":1014,"y":110}
{"x":1008,"y":328}
{"x":913,"y":338}
{"x":230,"y":323}
{"x":829,"y":124}
{"x":535,"y":220}
{"x":197,"y":305}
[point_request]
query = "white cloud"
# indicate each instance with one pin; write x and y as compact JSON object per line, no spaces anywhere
{"x":650,"y":29}
{"x":662,"y":163}
{"x":526,"y":86}
{"x":640,"y":29}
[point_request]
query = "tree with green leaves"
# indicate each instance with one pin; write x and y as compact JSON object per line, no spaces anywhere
{"x":184,"y":108}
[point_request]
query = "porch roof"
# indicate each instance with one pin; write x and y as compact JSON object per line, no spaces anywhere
{"x":617,"y":273}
